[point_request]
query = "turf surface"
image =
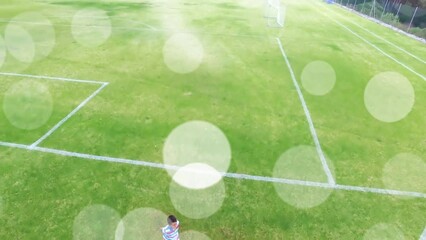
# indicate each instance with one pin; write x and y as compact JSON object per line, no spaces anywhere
{"x":242,"y":86}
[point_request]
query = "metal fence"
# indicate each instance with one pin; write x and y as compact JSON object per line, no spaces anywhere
{"x":411,"y":19}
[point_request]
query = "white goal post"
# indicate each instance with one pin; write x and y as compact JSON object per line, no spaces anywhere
{"x":275,"y":13}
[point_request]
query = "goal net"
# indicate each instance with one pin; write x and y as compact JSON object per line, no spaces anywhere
{"x":274,"y":13}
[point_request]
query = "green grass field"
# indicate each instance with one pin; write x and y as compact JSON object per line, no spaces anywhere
{"x":242,"y":85}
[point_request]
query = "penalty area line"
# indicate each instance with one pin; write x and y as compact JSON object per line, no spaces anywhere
{"x":308,"y":117}
{"x":381,"y":191}
{"x":227,"y":175}
{"x":51,"y":78}
{"x":150,"y":28}
{"x":60,"y":123}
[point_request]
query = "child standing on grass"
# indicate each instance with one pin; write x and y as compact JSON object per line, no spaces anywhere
{"x":171,"y":231}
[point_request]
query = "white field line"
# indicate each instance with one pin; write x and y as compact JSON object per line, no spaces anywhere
{"x":380,"y":191}
{"x":103,"y":18}
{"x":422,"y":40}
{"x":228,"y":175}
{"x":308,"y":117}
{"x":74,"y":25}
{"x":423,"y":236}
{"x":51,"y":78}
{"x":381,"y":38}
{"x":374,"y":46}
{"x":154,"y":29}
{"x":145,"y":24}
{"x":60,"y":123}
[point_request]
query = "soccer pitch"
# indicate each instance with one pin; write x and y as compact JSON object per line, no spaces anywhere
{"x":308,"y":121}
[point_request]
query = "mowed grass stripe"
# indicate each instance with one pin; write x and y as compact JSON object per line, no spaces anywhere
{"x":43,"y":193}
{"x":390,"y":50}
{"x":62,"y":104}
{"x":354,"y":140}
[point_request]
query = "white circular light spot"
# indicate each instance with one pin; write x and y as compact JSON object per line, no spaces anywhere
{"x":96,"y":222}
{"x":141,"y":223}
{"x":318,"y":78}
{"x":41,"y":31}
{"x":2,"y":51}
{"x":197,"y":142}
{"x":28,"y":104}
{"x":91,"y":27}
{"x":406,"y":172}
{"x":183,"y":53}
{"x":384,"y":231}
{"x":301,"y":163}
{"x":19,"y":43}
{"x":193,"y":235}
{"x":197,"y":204}
{"x":389,"y":97}
{"x":197,"y":176}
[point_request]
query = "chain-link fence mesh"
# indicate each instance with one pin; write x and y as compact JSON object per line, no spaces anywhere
{"x":407,"y":15}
